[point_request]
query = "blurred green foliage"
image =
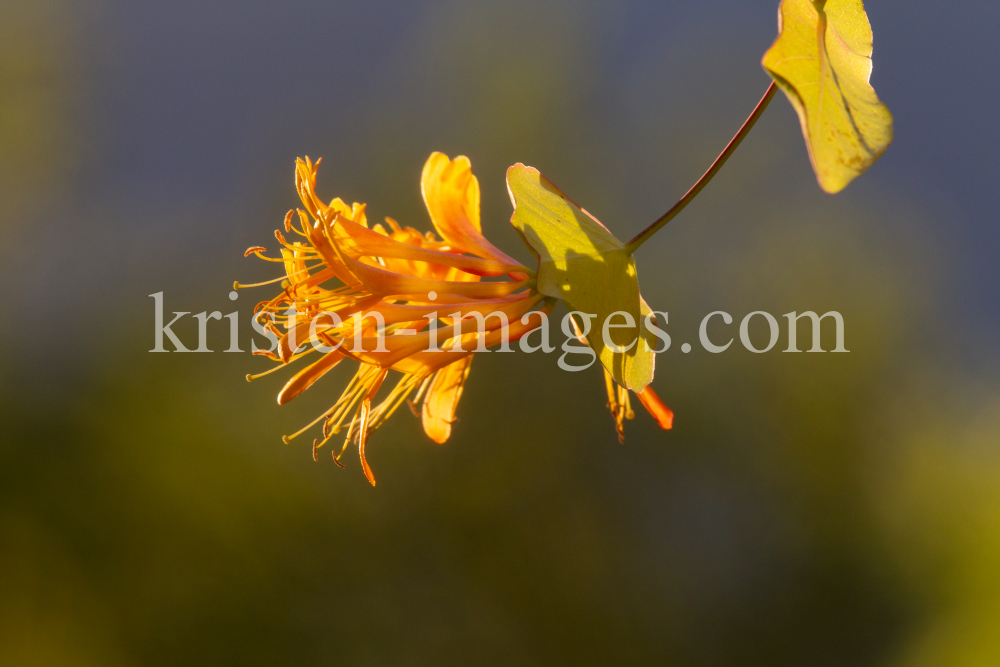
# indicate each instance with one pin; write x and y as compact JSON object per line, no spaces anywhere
{"x":38,"y":102}
{"x":810,"y":509}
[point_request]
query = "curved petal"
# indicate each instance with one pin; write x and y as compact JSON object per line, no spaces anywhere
{"x":442,"y":400}
{"x":366,"y":410}
{"x":664,"y":416}
{"x":451,"y":194}
{"x":308,"y":375}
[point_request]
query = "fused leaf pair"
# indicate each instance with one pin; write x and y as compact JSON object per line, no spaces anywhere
{"x":581,"y":263}
{"x":822,"y":62}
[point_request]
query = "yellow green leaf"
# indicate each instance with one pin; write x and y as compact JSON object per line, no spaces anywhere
{"x":822,"y":61}
{"x":584,"y":265}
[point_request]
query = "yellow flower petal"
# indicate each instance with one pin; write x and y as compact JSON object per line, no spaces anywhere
{"x":442,"y":400}
{"x":308,"y":375}
{"x":451,"y":194}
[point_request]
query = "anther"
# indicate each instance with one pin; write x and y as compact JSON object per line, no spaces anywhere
{"x":336,"y":459}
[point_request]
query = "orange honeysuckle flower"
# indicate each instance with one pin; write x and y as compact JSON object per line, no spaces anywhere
{"x":394,"y":278}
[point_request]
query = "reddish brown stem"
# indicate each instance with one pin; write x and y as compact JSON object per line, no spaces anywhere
{"x":645,"y":235}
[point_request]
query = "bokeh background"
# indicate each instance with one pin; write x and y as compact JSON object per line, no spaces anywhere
{"x":806,"y":509}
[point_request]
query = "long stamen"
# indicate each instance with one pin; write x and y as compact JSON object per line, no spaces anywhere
{"x":380,"y":419}
{"x":330,"y":414}
{"x":237,"y":285}
{"x":337,"y":419}
{"x":269,"y":259}
{"x":350,"y":431}
{"x":420,"y":392}
{"x":609,"y":384}
{"x":251,"y":378}
{"x":627,"y":403}
{"x":289,"y":227}
{"x":287,"y":439}
{"x":343,"y":448}
{"x":355,"y":390}
{"x":396,"y":398}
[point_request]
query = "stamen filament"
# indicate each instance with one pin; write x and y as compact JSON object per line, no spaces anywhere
{"x":237,"y":285}
{"x":287,"y":439}
{"x":251,"y":378}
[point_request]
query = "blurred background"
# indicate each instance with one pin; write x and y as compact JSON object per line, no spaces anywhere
{"x":805,"y":510}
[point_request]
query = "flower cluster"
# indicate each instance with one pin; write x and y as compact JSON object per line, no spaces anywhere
{"x":343,"y":277}
{"x":376,"y":296}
